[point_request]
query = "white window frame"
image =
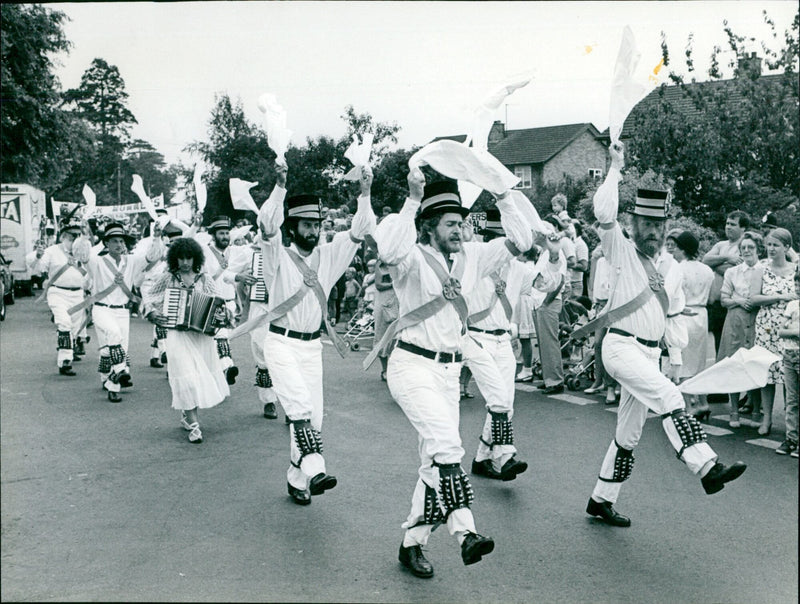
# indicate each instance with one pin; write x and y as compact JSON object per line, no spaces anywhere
{"x":525,"y":175}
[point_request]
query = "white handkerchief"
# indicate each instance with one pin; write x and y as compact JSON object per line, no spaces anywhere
{"x":278,"y":135}
{"x":746,"y":369}
{"x":459,"y":162}
{"x":484,"y":113}
{"x":240,"y":195}
{"x":199,"y":186}
{"x":626,"y":91}
{"x":530,"y":214}
{"x":358,"y":154}
{"x":239,"y":232}
{"x":90,"y":197}
{"x":138,"y":188}
{"x":469,"y":193}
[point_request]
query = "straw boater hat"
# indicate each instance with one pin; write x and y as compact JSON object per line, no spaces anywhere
{"x":439,"y":198}
{"x":220,"y":222}
{"x":115,"y":229}
{"x":304,"y":206}
{"x":651,"y":203}
{"x":493,"y":225}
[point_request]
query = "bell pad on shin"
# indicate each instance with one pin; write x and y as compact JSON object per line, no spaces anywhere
{"x":64,"y":340}
{"x":223,"y":348}
{"x":307,"y":439}
{"x":502,"y":429}
{"x":455,"y":489}
{"x":263,"y":379}
{"x":688,"y":428}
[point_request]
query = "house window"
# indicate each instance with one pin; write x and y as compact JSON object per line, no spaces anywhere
{"x":595,"y":173}
{"x":524,"y":175}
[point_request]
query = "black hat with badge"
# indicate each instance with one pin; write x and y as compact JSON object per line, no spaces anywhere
{"x":651,"y":203}
{"x":305,"y":206}
{"x":440,"y":198}
{"x":219,"y":223}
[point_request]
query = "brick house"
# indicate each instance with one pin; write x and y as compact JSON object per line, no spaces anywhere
{"x":546,"y":155}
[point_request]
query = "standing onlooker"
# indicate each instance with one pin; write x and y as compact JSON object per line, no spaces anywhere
{"x":352,"y":289}
{"x":789,"y":334}
{"x":740,"y":322}
{"x":581,"y":261}
{"x":777,"y":289}
{"x":601,"y":290}
{"x":385,"y":308}
{"x":697,"y":280}
{"x":722,"y":256}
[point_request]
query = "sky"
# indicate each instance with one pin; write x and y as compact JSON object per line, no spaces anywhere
{"x":423,"y":65}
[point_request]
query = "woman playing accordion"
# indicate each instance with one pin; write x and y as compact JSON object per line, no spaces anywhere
{"x":195,"y":373}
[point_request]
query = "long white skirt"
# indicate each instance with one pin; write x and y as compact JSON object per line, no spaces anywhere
{"x":195,"y":372}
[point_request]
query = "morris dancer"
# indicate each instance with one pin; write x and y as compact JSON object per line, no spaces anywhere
{"x":195,"y":372}
{"x":63,"y":290}
{"x":431,"y":279}
{"x":636,"y":318}
{"x":299,"y":279}
{"x":112,"y":276}
{"x":226,"y":267}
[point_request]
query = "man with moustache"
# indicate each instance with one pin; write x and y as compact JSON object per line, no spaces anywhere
{"x":636,"y":319}
{"x":299,"y":278}
{"x":431,"y":279}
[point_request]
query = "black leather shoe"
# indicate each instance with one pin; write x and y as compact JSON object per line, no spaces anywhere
{"x":230,"y":375}
{"x":414,"y":560}
{"x":270,"y":412}
{"x":606,"y":512}
{"x":66,"y":369}
{"x":321,"y":483}
{"x":557,"y":389}
{"x":163,"y":357}
{"x":474,"y":547}
{"x":155,"y":363}
{"x":125,"y":380}
{"x":299,"y":496}
{"x":76,"y":358}
{"x":114,"y":397}
{"x":511,"y":468}
{"x":715,"y":480}
{"x":485,"y":468}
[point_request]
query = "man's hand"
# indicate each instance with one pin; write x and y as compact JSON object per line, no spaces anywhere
{"x":157,"y":318}
{"x":416,"y":184}
{"x":617,"y":153}
{"x":280,"y":175}
{"x":156,"y":230}
{"x":365,"y":179}
{"x":246,"y":278}
{"x":198,"y":219}
{"x":674,"y":372}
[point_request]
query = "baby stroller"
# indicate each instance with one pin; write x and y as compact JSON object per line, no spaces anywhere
{"x":360,"y":326}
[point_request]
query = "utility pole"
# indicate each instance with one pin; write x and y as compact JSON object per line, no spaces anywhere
{"x":119,"y":191}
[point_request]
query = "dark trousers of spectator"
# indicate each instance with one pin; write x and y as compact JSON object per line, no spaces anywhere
{"x":546,"y":318}
{"x":716,"y":320}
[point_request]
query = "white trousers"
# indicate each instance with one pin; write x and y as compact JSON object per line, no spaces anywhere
{"x":643,"y":388}
{"x":296,"y":370}
{"x":428,"y":393}
{"x":112,"y":326}
{"x":258,"y":309}
{"x":493,"y":365}
{"x":60,"y":301}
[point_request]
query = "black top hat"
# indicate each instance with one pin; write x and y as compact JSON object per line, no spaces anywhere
{"x":304,"y":206}
{"x":441,"y":197}
{"x":171,"y":231}
{"x":493,"y":225}
{"x":651,"y":203}
{"x":220,"y":222}
{"x":70,"y":226}
{"x":115,"y":229}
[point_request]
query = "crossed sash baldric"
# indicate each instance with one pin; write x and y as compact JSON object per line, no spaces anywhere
{"x":70,"y":263}
{"x":451,"y":294}
{"x":655,"y":287}
{"x":105,"y":292}
{"x":310,"y":283}
{"x":499,"y":295}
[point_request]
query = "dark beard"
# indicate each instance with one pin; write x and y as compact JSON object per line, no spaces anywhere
{"x":307,"y":244}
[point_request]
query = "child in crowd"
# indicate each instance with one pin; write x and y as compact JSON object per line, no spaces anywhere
{"x":352,"y":289}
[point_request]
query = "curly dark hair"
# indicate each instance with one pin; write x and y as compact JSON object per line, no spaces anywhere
{"x":185,"y":247}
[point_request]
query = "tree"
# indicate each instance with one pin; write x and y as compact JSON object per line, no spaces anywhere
{"x":36,"y":136}
{"x":101,"y":100}
{"x":727,"y":143}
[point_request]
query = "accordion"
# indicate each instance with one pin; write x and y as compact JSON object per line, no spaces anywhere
{"x":188,"y":310}
{"x":258,"y":291}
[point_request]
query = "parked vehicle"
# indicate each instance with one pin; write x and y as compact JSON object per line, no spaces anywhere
{"x":6,"y":287}
{"x":23,"y":216}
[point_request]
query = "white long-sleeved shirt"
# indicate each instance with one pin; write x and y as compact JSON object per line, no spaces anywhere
{"x":102,"y":276}
{"x":416,"y":283}
{"x":329,"y":260}
{"x":53,"y":258}
{"x":628,"y":277}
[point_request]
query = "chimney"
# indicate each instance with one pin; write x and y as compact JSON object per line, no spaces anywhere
{"x":497,"y":133}
{"x":749,"y":65}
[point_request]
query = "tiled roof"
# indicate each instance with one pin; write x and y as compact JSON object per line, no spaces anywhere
{"x":531,"y":145}
{"x":681,"y":102}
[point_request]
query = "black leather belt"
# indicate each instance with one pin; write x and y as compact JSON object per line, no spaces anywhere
{"x":621,"y":332}
{"x":441,"y":357}
{"x":111,"y":305}
{"x":491,"y":332}
{"x":297,"y":335}
{"x":69,"y":289}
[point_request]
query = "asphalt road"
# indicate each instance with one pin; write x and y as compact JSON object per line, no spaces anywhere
{"x":110,"y":502}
